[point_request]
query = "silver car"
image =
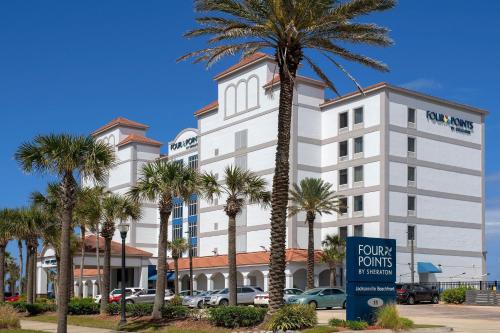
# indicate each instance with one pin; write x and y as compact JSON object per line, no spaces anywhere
{"x":199,"y":300}
{"x":245,"y":295}
{"x":144,"y":296}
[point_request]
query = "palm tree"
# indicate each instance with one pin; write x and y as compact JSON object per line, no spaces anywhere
{"x":177,"y":246}
{"x":12,"y":269}
{"x":333,"y":254}
{"x":6,"y":234}
{"x":287,"y":28}
{"x":313,"y":196}
{"x":67,"y":157}
{"x":115,"y":207}
{"x":239,"y":187}
{"x":161,"y":181}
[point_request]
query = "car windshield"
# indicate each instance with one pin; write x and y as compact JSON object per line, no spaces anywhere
{"x":116,"y":292}
{"x":223,"y":291}
{"x":312,"y":291}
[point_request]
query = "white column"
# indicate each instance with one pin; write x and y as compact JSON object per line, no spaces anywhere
{"x":226,"y":280}
{"x":143,"y":279}
{"x":85,"y":289}
{"x":210,"y":282}
{"x":246,"y":279}
{"x":316,"y":280}
{"x":195,"y":283}
{"x":76,"y":288}
{"x":41,"y":280}
{"x":289,"y":280}
{"x":266,"y":280}
{"x":94,"y":288}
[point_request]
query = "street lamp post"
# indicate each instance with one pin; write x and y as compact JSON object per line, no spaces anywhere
{"x":190,"y":254}
{"x":123,"y":229}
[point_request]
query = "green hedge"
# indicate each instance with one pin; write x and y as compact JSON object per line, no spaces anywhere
{"x":236,"y":316}
{"x":172,"y":312}
{"x":455,"y":295}
{"x":356,"y":325}
{"x":33,"y":309}
{"x":83,"y":306}
{"x":145,"y":309}
{"x":293,"y":317}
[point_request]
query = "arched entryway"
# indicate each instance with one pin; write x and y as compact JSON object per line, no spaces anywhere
{"x":256,"y":279}
{"x":239,"y":279}
{"x":219,"y":281}
{"x":300,"y":278}
{"x":184,"y":285}
{"x":324,"y":278}
{"x":201,"y":282}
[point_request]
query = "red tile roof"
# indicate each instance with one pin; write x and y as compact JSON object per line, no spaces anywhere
{"x":245,"y":259}
{"x":120,"y":121}
{"x":210,"y":107}
{"x":116,"y":248}
{"x":276,"y":80}
{"x":139,"y":139}
{"x":256,"y":57}
{"x":86,"y":272}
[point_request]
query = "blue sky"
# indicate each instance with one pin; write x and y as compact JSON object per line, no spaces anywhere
{"x":74,"y":65}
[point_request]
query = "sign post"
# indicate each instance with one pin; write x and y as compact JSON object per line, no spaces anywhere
{"x":371,"y":276}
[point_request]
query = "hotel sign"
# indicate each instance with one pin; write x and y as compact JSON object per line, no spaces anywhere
{"x":187,"y":143}
{"x":371,"y":276}
{"x":456,"y":124}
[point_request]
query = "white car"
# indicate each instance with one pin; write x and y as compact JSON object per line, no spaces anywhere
{"x":115,"y":292}
{"x":263,"y":298}
{"x":244,"y":295}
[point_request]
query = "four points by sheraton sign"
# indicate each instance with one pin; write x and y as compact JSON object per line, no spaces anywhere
{"x":456,"y":124}
{"x":188,"y":143}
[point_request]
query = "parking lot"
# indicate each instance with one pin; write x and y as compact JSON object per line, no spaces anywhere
{"x":470,"y":319}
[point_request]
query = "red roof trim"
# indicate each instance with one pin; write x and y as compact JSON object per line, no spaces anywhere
{"x":254,"y":58}
{"x":207,"y":108}
{"x":302,"y":79}
{"x":120,"y":121}
{"x":139,"y":139}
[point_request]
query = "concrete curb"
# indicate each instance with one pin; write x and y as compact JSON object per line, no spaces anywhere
{"x":415,"y":330}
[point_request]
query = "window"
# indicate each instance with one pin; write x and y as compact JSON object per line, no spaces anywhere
{"x":216,"y":151}
{"x":343,"y":205}
{"x":411,"y":232}
{"x":343,"y":150}
{"x":358,"y":203}
{"x":343,"y":232}
{"x":358,"y":115}
{"x":411,"y":174}
{"x":358,"y":230}
{"x":411,"y":144}
{"x":177,"y":230}
{"x":241,"y":162}
{"x":358,"y":173}
{"x":358,"y":145}
{"x":240,"y":140}
{"x":411,"y":115}
{"x":179,"y":162}
{"x":193,"y":206}
{"x":411,"y":203}
{"x":343,"y":177}
{"x":177,"y":209}
{"x":343,"y":120}
{"x":216,"y":226}
{"x":193,"y":162}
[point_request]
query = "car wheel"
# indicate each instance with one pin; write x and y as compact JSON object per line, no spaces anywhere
{"x":435,"y":299}
{"x":344,"y":305}
{"x":411,"y":300}
{"x":313,"y":304}
{"x":224,"y":302}
{"x":200,"y":304}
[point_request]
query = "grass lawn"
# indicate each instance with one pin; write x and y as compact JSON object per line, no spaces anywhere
{"x":84,"y":320}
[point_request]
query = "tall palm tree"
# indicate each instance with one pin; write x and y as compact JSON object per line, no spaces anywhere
{"x":177,"y":247}
{"x":313,"y":197}
{"x":287,"y":28}
{"x":11,"y":268}
{"x":21,"y":263}
{"x":239,"y":187}
{"x":6,"y":234}
{"x":333,"y":254}
{"x":115,"y":208}
{"x":161,"y":181}
{"x":68,"y":158}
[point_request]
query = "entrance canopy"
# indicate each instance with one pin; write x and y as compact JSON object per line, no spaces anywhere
{"x":170,"y":277}
{"x":427,"y":267}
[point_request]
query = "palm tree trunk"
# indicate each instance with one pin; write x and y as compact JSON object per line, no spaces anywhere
{"x":82,"y":260}
{"x":35,"y":257}
{"x":2,"y":273}
{"x":68,"y":187}
{"x":277,"y":260}
{"x":21,"y":265}
{"x":57,"y":279}
{"x":334,"y":269}
{"x":165,"y":211}
{"x":310,"y":250}
{"x":106,"y":275}
{"x":176,"y":281}
{"x":231,"y":256}
{"x":98,"y":260}
{"x":71,"y":277}
{"x":29,"y":272}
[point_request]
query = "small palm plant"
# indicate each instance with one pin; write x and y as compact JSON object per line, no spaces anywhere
{"x":177,"y":246}
{"x":313,"y":197}
{"x":239,"y":187}
{"x":161,"y":181}
{"x":333,"y":255}
{"x":115,"y":208}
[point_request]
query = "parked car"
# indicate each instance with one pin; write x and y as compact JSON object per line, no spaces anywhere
{"x":182,"y":294}
{"x":9,"y":298}
{"x":199,"y":300}
{"x":263,"y":299}
{"x":415,"y":293}
{"x":321,"y":298}
{"x":245,"y":295}
{"x":115,"y":294}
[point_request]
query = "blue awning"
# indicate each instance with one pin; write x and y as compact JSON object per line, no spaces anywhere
{"x":170,"y":277}
{"x":427,"y":267}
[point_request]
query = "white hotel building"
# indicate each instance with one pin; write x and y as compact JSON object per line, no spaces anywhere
{"x":404,"y":162}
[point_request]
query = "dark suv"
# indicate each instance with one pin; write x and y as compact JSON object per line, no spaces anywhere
{"x":414,"y":293}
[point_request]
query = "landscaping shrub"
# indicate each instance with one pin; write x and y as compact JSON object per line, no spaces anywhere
{"x":139,"y":310}
{"x":83,"y":306}
{"x":388,"y":317}
{"x":175,"y":301}
{"x":335,"y":322}
{"x":455,"y":295}
{"x":236,"y":316}
{"x":9,"y":318}
{"x":356,"y":325}
{"x":113,"y":309}
{"x":172,"y":312}
{"x":19,"y":306}
{"x":293,"y":317}
{"x":33,"y":309}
